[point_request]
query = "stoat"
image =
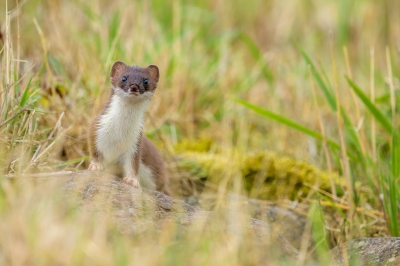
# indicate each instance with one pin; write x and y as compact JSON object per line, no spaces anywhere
{"x":116,"y":139}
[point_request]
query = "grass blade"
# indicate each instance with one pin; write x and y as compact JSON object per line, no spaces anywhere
{"x":72,"y":161}
{"x":113,"y":28}
{"x":395,"y":167}
{"x":257,"y":55}
{"x":330,"y":97}
{"x":286,"y":121}
{"x":379,"y":116}
{"x":26,"y":94}
{"x":328,"y":94}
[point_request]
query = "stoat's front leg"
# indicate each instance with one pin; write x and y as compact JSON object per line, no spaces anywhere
{"x":133,"y":181}
{"x":95,"y":157}
{"x":131,"y":169}
{"x":95,"y":165}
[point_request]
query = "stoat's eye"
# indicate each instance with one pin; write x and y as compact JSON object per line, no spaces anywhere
{"x":145,"y":82}
{"x":124,"y":79}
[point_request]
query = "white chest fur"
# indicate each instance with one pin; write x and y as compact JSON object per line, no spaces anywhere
{"x":119,"y":128}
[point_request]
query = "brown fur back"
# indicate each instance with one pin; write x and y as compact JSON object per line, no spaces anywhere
{"x":150,"y":156}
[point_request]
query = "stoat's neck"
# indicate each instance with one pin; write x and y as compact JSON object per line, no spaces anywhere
{"x":120,"y":126}
{"x":128,"y":108}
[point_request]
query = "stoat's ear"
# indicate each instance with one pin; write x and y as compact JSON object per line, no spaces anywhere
{"x":154,"y":73}
{"x":117,"y":67}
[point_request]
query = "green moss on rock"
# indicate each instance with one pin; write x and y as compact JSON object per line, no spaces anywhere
{"x":265,"y":175}
{"x":204,"y":144}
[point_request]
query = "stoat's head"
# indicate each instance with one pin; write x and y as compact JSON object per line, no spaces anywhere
{"x":134,"y":81}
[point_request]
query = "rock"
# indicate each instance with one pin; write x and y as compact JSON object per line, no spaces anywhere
{"x":369,"y":251}
{"x":283,"y":221}
{"x":134,"y":210}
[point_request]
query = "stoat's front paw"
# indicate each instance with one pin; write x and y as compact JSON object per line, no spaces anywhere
{"x":134,"y":182}
{"x":95,"y":166}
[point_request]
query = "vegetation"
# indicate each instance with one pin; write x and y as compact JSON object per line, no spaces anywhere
{"x":287,"y":102}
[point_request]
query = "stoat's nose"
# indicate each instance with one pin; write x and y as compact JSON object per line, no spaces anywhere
{"x":133,"y":88}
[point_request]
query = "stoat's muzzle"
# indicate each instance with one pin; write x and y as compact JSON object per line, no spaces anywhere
{"x":135,"y":89}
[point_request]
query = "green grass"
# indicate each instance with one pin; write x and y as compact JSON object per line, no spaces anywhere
{"x":361,"y":164}
{"x":315,"y":81}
